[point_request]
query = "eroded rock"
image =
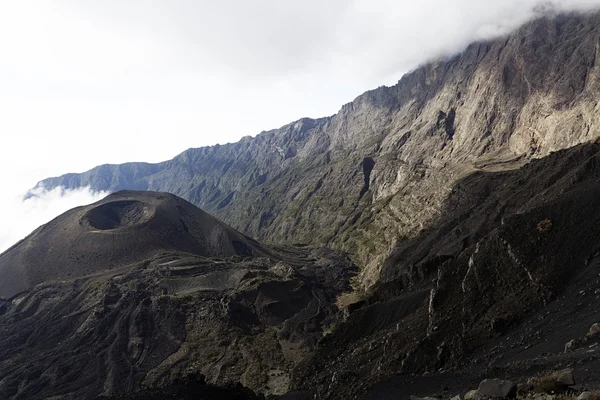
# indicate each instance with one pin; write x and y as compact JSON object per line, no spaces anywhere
{"x":594,"y":330}
{"x":565,"y":377}
{"x":585,"y":396}
{"x":497,"y":388}
{"x":572,"y":345}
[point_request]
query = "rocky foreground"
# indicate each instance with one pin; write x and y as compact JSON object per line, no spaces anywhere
{"x":555,"y":386}
{"x":170,"y":294}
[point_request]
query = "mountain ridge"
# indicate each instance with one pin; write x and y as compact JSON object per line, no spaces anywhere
{"x":468,"y":193}
{"x":378,"y":171}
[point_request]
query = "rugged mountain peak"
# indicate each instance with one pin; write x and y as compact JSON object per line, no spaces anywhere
{"x":123,"y":228}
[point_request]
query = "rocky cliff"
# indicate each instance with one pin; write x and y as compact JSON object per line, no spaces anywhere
{"x":379,"y":171}
{"x":505,"y":301}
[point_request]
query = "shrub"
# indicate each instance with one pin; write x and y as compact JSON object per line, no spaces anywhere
{"x":556,"y":382}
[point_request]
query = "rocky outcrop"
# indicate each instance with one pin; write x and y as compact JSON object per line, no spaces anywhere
{"x":497,"y":389}
{"x":192,"y":388}
{"x":545,"y":389}
{"x":591,"y":336}
{"x":381,"y":169}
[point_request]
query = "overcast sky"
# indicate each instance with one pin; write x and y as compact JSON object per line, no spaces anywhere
{"x":86,"y":82}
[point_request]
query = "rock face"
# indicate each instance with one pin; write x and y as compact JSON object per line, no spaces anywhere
{"x":585,"y":396}
{"x":168,"y":295}
{"x":508,"y":276}
{"x":565,"y":377}
{"x":382,"y":168}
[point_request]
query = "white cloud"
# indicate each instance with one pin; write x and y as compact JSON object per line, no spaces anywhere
{"x":21,"y":216}
{"x":87,"y":82}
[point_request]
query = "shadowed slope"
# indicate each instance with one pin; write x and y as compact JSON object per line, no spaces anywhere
{"x":154,"y":324}
{"x":494,"y":288}
{"x":122,"y":228}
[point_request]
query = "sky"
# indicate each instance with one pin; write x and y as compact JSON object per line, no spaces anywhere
{"x":87,"y":82}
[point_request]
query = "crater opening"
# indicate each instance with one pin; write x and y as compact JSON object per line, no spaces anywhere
{"x":118,"y":214}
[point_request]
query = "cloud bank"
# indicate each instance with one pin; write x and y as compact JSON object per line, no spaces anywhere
{"x":21,"y":216}
{"x":201,"y":72}
{"x":271,"y":40}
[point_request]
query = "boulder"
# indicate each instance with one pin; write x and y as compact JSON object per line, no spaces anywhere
{"x":543,"y":396}
{"x":571,"y":345}
{"x":471,"y":395}
{"x":524,"y":387}
{"x":585,"y":396}
{"x":497,"y":388}
{"x":594,"y":330}
{"x":565,"y":377}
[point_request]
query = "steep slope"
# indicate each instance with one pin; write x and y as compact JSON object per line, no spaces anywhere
{"x":143,"y":290}
{"x":123,"y":228}
{"x":380,"y":169}
{"x":502,"y":303}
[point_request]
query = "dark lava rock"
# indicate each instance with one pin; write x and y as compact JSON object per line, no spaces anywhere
{"x":565,"y":377}
{"x":497,"y":388}
{"x":192,"y":388}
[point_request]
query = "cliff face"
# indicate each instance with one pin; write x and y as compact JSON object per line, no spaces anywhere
{"x":511,"y":276}
{"x":379,"y":171}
